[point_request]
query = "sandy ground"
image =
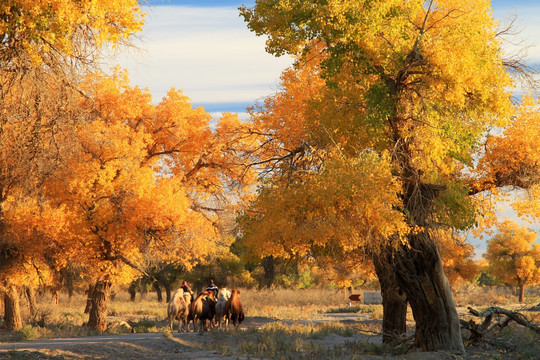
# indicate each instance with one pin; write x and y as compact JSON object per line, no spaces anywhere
{"x":155,"y":345}
{"x":193,"y":346}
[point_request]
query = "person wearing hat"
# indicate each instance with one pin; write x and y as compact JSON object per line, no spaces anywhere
{"x":187,"y":289}
{"x":211,"y":286}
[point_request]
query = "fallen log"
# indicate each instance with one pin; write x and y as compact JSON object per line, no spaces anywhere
{"x":478,"y":331}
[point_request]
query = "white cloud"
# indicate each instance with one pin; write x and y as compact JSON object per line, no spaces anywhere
{"x":209,"y":53}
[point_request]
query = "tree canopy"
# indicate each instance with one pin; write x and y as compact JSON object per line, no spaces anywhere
{"x":417,"y":87}
{"x":514,"y":255}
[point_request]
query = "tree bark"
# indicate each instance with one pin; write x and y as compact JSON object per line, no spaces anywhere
{"x":31,"y":296}
{"x":168,"y":292}
{"x":418,"y":265}
{"x":99,"y":299}
{"x":420,"y":275}
{"x":69,"y":284}
{"x":157,"y":289}
{"x":132,"y":290}
{"x":269,"y":265}
{"x":89,"y":293}
{"x":12,"y":308}
{"x":393,"y":298}
{"x":521,"y":288}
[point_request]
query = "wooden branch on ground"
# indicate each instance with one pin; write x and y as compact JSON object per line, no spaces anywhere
{"x":479,"y":330}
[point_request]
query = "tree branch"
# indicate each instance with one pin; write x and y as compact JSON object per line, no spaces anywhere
{"x":478,"y":331}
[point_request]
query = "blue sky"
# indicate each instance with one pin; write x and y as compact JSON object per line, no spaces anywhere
{"x":205,"y":49}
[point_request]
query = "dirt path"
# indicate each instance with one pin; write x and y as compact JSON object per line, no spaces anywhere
{"x":127,"y":346}
{"x":152,"y":345}
{"x":87,"y":340}
{"x":190,"y":346}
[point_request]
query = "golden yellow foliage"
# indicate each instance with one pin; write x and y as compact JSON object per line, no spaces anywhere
{"x":393,"y":85}
{"x":46,"y":46}
{"x":145,"y":178}
{"x":417,"y":83}
{"x":445,"y":102}
{"x":345,"y":206}
{"x":514,"y":255}
{"x":457,"y":258}
{"x":47,"y":28}
{"x":512,"y":158}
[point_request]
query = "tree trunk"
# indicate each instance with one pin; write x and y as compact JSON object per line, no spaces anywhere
{"x":31,"y":297}
{"x":12,"y":308}
{"x":55,"y":295}
{"x":269,"y":266}
{"x":89,"y":293}
{"x":132,"y":290}
{"x":99,"y":299}
{"x":157,"y":288}
{"x":69,"y":284}
{"x":418,"y":265}
{"x":394,"y":300}
{"x":521,"y":288}
{"x":420,"y":275}
{"x":168,"y":292}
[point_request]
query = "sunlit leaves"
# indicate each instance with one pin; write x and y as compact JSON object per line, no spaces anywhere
{"x":347,"y":205}
{"x":33,"y":229}
{"x":512,"y":158}
{"x":514,"y":254}
{"x":443,"y":102}
{"x":457,"y":258}
{"x":422,"y":81}
{"x":146,"y":179}
{"x":67,"y":27}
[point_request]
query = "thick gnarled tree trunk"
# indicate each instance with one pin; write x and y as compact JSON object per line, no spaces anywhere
{"x":393,"y":298}
{"x":98,"y":299}
{"x":418,"y":265}
{"x":132,"y":290}
{"x":419,"y":272}
{"x":12,"y":308}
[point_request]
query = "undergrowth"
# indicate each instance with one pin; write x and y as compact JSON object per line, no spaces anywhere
{"x":291,"y":335}
{"x":298,"y":341}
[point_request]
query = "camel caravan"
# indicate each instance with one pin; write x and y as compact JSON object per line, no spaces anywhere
{"x":210,"y":308}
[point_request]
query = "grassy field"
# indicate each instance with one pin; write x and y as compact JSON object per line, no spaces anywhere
{"x":283,"y":324}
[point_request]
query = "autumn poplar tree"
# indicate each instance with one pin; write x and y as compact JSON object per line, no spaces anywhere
{"x":411,"y":91}
{"x":44,"y":47}
{"x":514,"y":255}
{"x":144,"y":178}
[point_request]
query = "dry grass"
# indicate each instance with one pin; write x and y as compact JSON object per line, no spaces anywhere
{"x":281,"y":341}
{"x":292,"y":328}
{"x":305,"y":304}
{"x":282,"y":304}
{"x":493,"y":296}
{"x":148,"y":307}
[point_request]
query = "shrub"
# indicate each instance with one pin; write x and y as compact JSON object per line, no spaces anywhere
{"x":28,"y":332}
